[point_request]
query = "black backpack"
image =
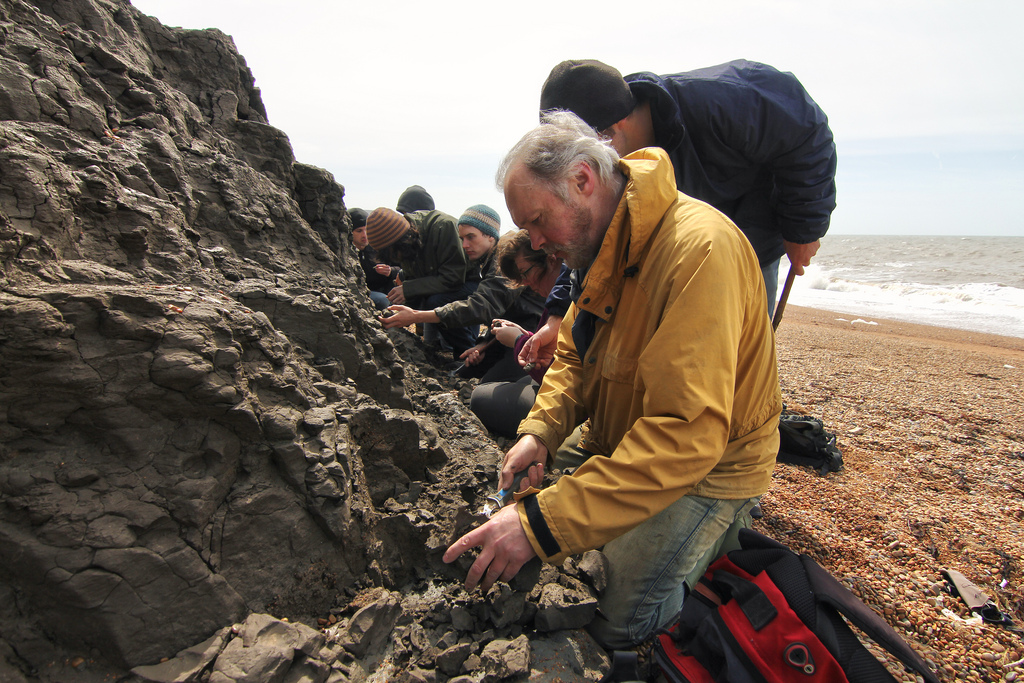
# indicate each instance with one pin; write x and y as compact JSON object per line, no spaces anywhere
{"x":767,"y":615}
{"x":804,"y":441}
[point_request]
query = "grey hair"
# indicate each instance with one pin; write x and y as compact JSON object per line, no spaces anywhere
{"x":553,"y":150}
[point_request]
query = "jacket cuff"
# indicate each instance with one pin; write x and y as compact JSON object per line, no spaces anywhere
{"x":537,"y":531}
{"x":551,"y":438}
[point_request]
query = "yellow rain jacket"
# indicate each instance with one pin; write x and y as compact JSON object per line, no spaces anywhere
{"x":680,"y":380}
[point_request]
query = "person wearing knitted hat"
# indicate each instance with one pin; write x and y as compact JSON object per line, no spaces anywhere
{"x":426,"y":246}
{"x":380,"y":277}
{"x":742,"y":136}
{"x":414,"y":198}
{"x":489,"y":295}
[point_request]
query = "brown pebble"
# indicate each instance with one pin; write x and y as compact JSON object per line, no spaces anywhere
{"x":77,"y":662}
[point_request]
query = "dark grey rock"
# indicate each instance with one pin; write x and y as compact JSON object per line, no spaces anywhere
{"x":505,"y":659}
{"x":188,"y":664}
{"x":450,"y":661}
{"x":201,"y":420}
{"x":593,"y":567}
{"x":370,"y":627}
{"x":562,"y":608}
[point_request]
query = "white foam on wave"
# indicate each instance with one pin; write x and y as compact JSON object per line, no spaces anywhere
{"x":984,"y":307}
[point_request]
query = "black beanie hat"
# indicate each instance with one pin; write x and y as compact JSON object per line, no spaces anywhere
{"x":592,"y":90}
{"x":415,"y":198}
{"x":358,"y":217}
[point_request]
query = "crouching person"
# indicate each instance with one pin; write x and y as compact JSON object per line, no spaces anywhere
{"x":502,"y":404}
{"x":667,"y":349}
{"x":426,"y":246}
{"x":488,"y":295}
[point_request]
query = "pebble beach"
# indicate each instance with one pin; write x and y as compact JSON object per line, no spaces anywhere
{"x":930,"y":422}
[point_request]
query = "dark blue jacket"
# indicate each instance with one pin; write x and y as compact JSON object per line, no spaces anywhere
{"x":747,"y":139}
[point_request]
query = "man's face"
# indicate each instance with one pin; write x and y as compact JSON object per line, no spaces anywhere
{"x":474,"y":242}
{"x":564,"y":229}
{"x":619,"y":139}
{"x":359,"y":238}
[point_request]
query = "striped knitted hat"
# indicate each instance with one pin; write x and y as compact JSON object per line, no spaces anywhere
{"x":483,"y":218}
{"x":384,"y":227}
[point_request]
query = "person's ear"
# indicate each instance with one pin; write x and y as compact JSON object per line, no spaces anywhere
{"x":584,"y":182}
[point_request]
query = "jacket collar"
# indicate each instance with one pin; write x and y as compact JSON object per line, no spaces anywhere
{"x":650,"y":191}
{"x":666,"y":116}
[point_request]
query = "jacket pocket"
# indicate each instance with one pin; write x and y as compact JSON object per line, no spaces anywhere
{"x":619,"y":369}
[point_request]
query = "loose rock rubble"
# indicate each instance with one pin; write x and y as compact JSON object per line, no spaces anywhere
{"x":216,"y":466}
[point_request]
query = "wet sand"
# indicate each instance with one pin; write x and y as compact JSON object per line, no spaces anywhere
{"x":930,"y":422}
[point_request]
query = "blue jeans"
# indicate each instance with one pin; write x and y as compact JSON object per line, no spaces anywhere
{"x":648,"y":565}
{"x":771,"y":283}
{"x":380,"y":300}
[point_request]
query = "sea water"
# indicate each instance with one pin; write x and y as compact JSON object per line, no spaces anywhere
{"x":968,"y":283}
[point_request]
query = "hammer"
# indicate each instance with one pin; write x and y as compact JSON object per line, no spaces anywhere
{"x":777,"y":318}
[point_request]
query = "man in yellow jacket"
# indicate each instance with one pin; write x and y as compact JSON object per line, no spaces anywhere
{"x":668,"y":349}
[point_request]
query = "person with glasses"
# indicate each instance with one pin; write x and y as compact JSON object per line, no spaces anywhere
{"x":666,"y":350}
{"x":501,"y":405}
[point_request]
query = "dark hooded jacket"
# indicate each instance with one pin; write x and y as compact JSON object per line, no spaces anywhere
{"x":441,"y":264}
{"x":493,"y":298}
{"x":747,"y":139}
{"x":375,"y":282}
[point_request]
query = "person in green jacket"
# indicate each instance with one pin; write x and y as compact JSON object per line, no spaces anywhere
{"x":491,"y":296}
{"x":427,"y":248}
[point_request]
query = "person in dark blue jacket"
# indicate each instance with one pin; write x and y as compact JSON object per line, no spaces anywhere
{"x":742,"y":136}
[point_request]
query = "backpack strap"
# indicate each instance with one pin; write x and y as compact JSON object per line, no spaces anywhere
{"x":752,"y":601}
{"x":831,"y":592}
{"x":624,"y":668}
{"x":784,"y":566}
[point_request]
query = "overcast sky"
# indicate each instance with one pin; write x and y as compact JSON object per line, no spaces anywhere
{"x":925,"y":97}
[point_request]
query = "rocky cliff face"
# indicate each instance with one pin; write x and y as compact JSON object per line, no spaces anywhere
{"x":200,"y":420}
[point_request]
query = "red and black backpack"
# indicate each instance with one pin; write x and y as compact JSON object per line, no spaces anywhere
{"x":764,"y":614}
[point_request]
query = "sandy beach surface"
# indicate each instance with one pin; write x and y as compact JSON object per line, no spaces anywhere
{"x":930,"y":422}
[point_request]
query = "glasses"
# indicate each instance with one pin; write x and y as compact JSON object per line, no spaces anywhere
{"x":524,"y":273}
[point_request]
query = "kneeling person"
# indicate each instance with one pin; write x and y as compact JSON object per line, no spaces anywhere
{"x":668,"y":350}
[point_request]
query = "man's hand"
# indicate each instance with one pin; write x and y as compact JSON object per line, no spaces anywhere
{"x":506,"y":332}
{"x":397,"y":295}
{"x":800,"y":255}
{"x":401,"y":316}
{"x":382,"y":269}
{"x":504,"y":549}
{"x":528,"y":453}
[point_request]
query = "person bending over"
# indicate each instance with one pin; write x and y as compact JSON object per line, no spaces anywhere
{"x":667,"y":349}
{"x":742,"y":136}
{"x":488,"y":294}
{"x":425,"y":245}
